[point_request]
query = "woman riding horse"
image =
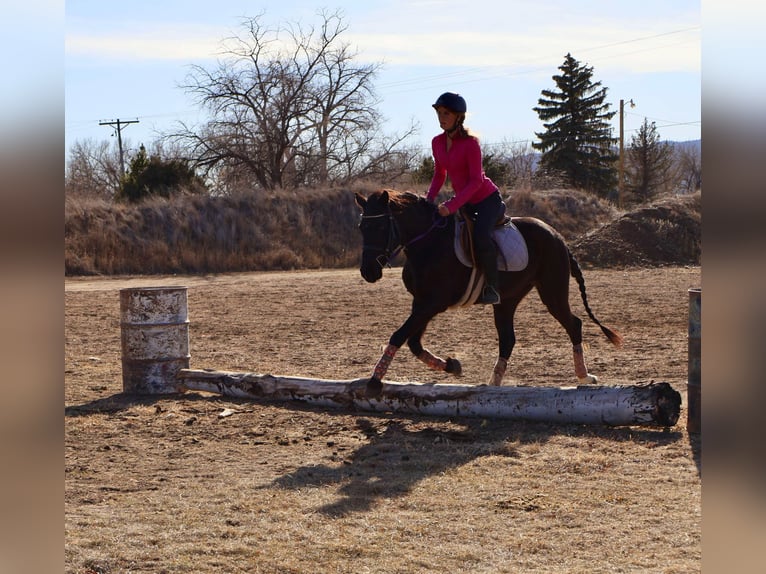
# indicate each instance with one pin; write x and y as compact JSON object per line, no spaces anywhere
{"x":457,"y":154}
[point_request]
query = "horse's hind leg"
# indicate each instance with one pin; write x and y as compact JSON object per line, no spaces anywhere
{"x":506,"y":335}
{"x":448,"y":365}
{"x":581,"y":370}
{"x":557,"y":303}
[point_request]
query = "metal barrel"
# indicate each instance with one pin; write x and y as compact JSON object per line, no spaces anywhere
{"x":694,"y":381}
{"x":154,"y":328}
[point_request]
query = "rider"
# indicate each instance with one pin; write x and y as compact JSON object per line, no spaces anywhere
{"x":457,"y":154}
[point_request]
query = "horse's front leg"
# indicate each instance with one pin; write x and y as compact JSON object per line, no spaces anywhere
{"x":448,"y":365}
{"x":415,"y":323}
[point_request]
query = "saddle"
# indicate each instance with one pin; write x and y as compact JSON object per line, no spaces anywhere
{"x":512,"y":254}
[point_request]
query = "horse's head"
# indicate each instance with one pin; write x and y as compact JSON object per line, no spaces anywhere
{"x":391,"y":221}
{"x":379,"y":235}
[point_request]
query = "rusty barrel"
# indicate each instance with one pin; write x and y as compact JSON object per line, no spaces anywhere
{"x":154,"y":327}
{"x":694,"y":380}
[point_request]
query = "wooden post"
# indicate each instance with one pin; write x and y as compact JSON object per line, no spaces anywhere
{"x":654,"y":404}
{"x":621,"y":171}
{"x":694,"y":381}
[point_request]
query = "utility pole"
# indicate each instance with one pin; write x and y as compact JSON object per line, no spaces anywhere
{"x":621,"y":182}
{"x":118,"y":125}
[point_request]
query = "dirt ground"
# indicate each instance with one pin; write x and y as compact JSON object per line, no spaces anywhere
{"x":167,"y":484}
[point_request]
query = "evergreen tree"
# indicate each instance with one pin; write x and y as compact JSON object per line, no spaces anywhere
{"x":154,"y":176}
{"x":578,"y":143}
{"x":496,"y":168}
{"x":423,"y":172}
{"x":649,"y":164}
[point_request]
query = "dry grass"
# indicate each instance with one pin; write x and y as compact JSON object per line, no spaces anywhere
{"x":165,"y":485}
{"x":306,"y":229}
{"x":572,"y":212}
{"x":195,"y":234}
{"x":385,"y":495}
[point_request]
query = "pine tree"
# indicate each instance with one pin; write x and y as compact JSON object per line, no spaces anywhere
{"x":650,"y":164}
{"x":154,"y":176}
{"x":578,"y":143}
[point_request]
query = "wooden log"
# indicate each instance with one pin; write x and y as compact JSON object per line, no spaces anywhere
{"x":652,"y":404}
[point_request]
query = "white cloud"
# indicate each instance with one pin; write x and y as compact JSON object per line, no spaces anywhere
{"x":142,"y":41}
{"x":615,"y":44}
{"x":647,"y":50}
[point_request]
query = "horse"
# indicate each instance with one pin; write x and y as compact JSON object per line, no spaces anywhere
{"x":392,"y":221}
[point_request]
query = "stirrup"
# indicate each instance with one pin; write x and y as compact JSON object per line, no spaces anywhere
{"x":489,"y":296}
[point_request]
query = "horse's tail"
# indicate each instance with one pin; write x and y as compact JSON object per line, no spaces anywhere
{"x":574,"y":268}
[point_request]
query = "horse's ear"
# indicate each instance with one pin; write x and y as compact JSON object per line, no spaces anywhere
{"x":360,"y":200}
{"x":384,"y":197}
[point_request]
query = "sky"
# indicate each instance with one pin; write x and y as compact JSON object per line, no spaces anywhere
{"x":127,"y":60}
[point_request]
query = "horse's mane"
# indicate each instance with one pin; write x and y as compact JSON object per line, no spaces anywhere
{"x":402,"y":199}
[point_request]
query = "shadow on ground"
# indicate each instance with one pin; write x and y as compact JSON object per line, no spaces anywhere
{"x":401,"y":450}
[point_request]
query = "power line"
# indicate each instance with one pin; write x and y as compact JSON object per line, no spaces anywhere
{"x":118,"y":125}
{"x":666,"y":123}
{"x":505,"y":70}
{"x":643,"y":38}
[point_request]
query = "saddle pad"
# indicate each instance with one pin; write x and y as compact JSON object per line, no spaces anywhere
{"x":512,"y":252}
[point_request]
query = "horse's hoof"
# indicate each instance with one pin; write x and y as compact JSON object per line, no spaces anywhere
{"x":374,"y":388}
{"x":453,"y":367}
{"x":588,"y":379}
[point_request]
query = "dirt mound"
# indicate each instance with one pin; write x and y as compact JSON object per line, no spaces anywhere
{"x":668,"y":232}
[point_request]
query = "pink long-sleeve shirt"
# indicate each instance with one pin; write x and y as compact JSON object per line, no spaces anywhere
{"x":463,"y":165}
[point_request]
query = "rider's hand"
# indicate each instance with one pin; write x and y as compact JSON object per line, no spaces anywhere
{"x":443,"y":210}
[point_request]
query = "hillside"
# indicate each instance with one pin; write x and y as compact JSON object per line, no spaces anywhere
{"x":317,"y":229}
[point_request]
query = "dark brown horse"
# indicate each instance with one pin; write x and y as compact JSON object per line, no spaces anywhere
{"x":393,"y":220}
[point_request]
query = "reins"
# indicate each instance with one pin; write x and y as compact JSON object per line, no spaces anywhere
{"x":394,"y":245}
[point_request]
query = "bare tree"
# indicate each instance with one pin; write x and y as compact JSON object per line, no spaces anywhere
{"x":93,"y":170}
{"x":689,"y":161}
{"x":521,"y":164}
{"x":288,"y":106}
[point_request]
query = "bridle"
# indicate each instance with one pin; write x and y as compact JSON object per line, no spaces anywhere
{"x":394,"y":243}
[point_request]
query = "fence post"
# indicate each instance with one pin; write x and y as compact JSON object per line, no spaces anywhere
{"x":694,"y":381}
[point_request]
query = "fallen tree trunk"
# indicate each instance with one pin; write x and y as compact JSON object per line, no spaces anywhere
{"x":652,"y":404}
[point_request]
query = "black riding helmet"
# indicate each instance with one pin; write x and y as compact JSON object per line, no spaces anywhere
{"x":453,"y":102}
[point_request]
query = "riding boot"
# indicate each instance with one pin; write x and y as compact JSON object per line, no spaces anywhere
{"x":487,"y":261}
